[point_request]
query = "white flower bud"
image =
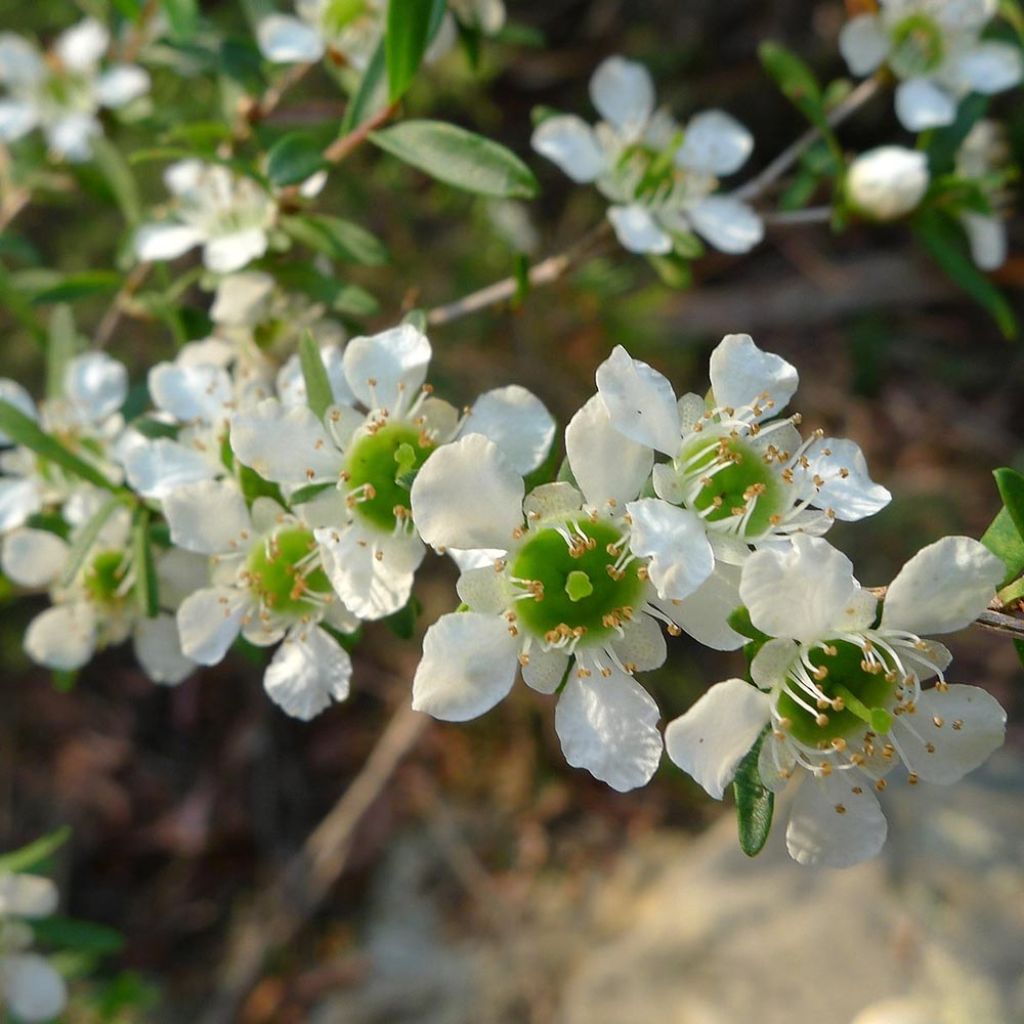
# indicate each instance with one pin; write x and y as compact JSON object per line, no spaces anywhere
{"x":888,"y":182}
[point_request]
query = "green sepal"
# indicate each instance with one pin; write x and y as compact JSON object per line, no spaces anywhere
{"x":319,"y":395}
{"x":755,"y":803}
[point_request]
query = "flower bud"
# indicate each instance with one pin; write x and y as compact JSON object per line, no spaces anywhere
{"x":888,"y":182}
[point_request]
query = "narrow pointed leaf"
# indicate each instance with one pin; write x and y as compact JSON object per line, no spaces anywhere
{"x":86,"y":538}
{"x":411,"y":25}
{"x":755,"y":803}
{"x":319,"y":395}
{"x":35,"y":855}
{"x":293,"y":159}
{"x":147,"y":594}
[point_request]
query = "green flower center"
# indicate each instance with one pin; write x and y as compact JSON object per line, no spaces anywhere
{"x":283,"y":574}
{"x":381,"y":468}
{"x":578,"y":589}
{"x":856,"y":692}
{"x":734,"y":483}
{"x":917,"y":46}
{"x":104,"y":577}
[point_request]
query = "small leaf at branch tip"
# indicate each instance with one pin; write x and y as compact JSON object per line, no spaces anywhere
{"x":319,"y":395}
{"x":293,"y":159}
{"x":755,"y":803}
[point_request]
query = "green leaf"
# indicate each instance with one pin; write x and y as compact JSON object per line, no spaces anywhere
{"x":1004,"y":540}
{"x":1011,"y":490}
{"x":674,"y":271}
{"x":369,"y":96}
{"x":342,"y":298}
{"x":459,"y":157}
{"x":403,"y":622}
{"x":797,"y":83}
{"x":755,"y":803}
{"x":79,"y":286}
{"x":25,"y":431}
{"x":943,"y":143}
{"x":739,"y":621}
{"x":119,"y":178}
{"x":81,"y":936}
{"x":294,"y":158}
{"x":944,"y":239}
{"x":182,"y":16}
{"x":308,"y":493}
{"x":410,"y":26}
{"x":319,"y":395}
{"x":34,"y":856}
{"x":337,"y":238}
{"x":1018,"y":646}
{"x":147,"y":588}
{"x":61,"y":345}
{"x":86,"y":538}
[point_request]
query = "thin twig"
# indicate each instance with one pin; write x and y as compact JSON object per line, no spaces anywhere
{"x":132,"y":283}
{"x":789,"y":156}
{"x":787,"y":218}
{"x":254,"y":110}
{"x":340,"y":148}
{"x":307,"y":878}
{"x":545,"y":272}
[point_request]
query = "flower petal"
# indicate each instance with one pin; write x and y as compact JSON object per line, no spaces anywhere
{"x":291,"y":384}
{"x":195,"y":392}
{"x":209,"y":517}
{"x":741,"y":375}
{"x":848,"y":489}
{"x":552,"y":501}
{"x":165,"y":241}
{"x":641,"y":647}
{"x":154,"y":468}
{"x":987,"y":238}
{"x":386,"y":370}
{"x":286,"y":40}
{"x":517,"y":421}
{"x":33,"y":558}
{"x":921,"y":104}
{"x":158,"y":649}
{"x":729,"y":224}
{"x":485,"y":590}
{"x":711,"y":739}
{"x":638,"y":231}
{"x":951,"y":733}
{"x":32,"y":988}
{"x":675,"y":541}
{"x":704,"y":615}
{"x":121,"y":84}
{"x":623,"y":93}
{"x":990,"y":67}
{"x":608,"y":725}
{"x":209,"y":621}
{"x":569,"y":142}
{"x":27,"y":896}
{"x":467,"y":495}
{"x":835,"y":823}
{"x":640,"y":402}
{"x":469,"y":664}
{"x":609,"y":468}
{"x":545,"y":670}
{"x":864,"y":43}
{"x":20,"y":62}
{"x":715,"y":143}
{"x":81,"y":47}
{"x":18,"y":500}
{"x":228,"y":253}
{"x":71,"y":136}
{"x":943,"y":588}
{"x":772,"y":662}
{"x":62,"y":637}
{"x":242,"y":299}
{"x":96,"y":384}
{"x":17,"y":118}
{"x":309,"y":670}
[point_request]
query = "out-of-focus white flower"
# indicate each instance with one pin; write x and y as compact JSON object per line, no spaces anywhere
{"x":984,"y":158}
{"x":372,"y":550}
{"x":62,"y":92}
{"x":935,"y":49}
{"x":842,"y":696}
{"x":30,"y":987}
{"x":888,"y":182}
{"x":661,"y":178}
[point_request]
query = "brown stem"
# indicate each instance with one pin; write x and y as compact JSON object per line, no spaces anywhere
{"x":132,"y":283}
{"x":341,"y":147}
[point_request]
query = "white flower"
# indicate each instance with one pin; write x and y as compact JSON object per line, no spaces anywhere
{"x":888,"y":182}
{"x":268,"y":584}
{"x":748,"y":478}
{"x":227,"y":214}
{"x":935,"y":49}
{"x":661,"y":178}
{"x":984,"y":159}
{"x":371,"y":551}
{"x":841,"y":690}
{"x":568,"y":594}
{"x":61,"y":93}
{"x":30,"y":987}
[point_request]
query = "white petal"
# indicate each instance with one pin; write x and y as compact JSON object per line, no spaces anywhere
{"x":20,"y":62}
{"x":121,"y":84}
{"x":888,"y":182}
{"x":209,"y":621}
{"x":990,"y":67}
{"x":17,"y":118}
{"x":71,"y":136}
{"x":33,"y":558}
{"x":309,"y":670}
{"x":715,"y":143}
{"x":179,"y":573}
{"x":286,"y":445}
{"x":191,"y":392}
{"x":943,"y":588}
{"x":184,"y":176}
{"x":18,"y":500}
{"x":711,"y":739}
{"x":286,"y":40}
{"x":704,"y":615}
{"x":552,"y":501}
{"x":485,"y":590}
{"x":641,"y":647}
{"x":973,"y":726}
{"x":569,"y":142}
{"x":96,"y":384}
{"x":640,"y":402}
{"x":921,"y":104}
{"x":638,"y":231}
{"x":158,"y":650}
{"x":517,"y":421}
{"x":229,"y":253}
{"x":545,"y":670}
{"x":623,"y":93}
{"x":467,"y":495}
{"x":208,"y":517}
{"x":469,"y":664}
{"x":81,"y":47}
{"x":157,"y":467}
{"x":242,"y":299}
{"x":741,"y":374}
{"x":776,"y":762}
{"x":800,"y":593}
{"x":729,"y":224}
{"x":291,"y":384}
{"x":372,"y":571}
{"x":386,"y":370}
{"x":27,"y":896}
{"x":864,"y":43}
{"x":987,"y":238}
{"x":608,"y":725}
{"x":33,"y":990}
{"x":609,"y":468}
{"x":819,"y":834}
{"x":848,"y":490}
{"x":675,"y":541}
{"x":772,"y":663}
{"x":62,"y":637}
{"x":165,"y":241}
